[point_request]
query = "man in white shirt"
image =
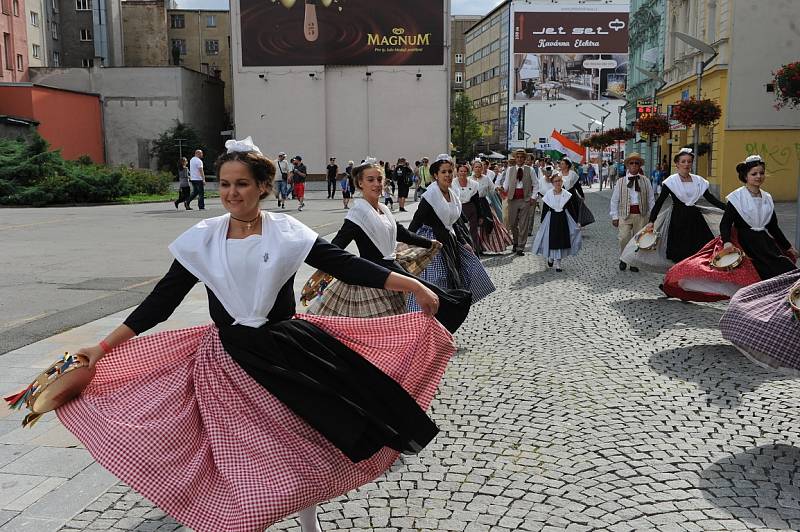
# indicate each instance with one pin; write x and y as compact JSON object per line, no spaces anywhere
{"x":283,"y":188}
{"x":520,"y":187}
{"x":631,"y":202}
{"x":197,"y":178}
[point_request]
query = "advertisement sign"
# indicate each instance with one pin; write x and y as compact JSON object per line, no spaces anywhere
{"x":572,"y":53}
{"x":342,"y":32}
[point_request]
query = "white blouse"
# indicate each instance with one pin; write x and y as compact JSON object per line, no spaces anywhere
{"x":244,"y":261}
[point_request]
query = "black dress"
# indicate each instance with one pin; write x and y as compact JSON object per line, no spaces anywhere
{"x":765,"y":248}
{"x":688,"y":231}
{"x":425,"y":215}
{"x":353,"y":404}
{"x":453,"y":304}
{"x":559,"y":227}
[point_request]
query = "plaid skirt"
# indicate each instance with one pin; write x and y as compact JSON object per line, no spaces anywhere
{"x":476,"y":278}
{"x":175,"y":417}
{"x":760,"y":323}
{"x":498,"y":239}
{"x":342,"y":299}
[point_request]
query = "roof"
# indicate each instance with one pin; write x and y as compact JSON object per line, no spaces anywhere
{"x":200,"y":5}
{"x":17,"y":121}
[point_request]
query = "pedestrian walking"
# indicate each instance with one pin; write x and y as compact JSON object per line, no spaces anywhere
{"x":197,"y":178}
{"x":349,"y":171}
{"x":299,"y":174}
{"x":521,"y":189}
{"x":403,"y":176}
{"x":260,"y":408}
{"x":284,"y":186}
{"x":387,"y":193}
{"x":424,"y":174}
{"x":184,"y":189}
{"x":344,"y":183}
{"x":332,"y":172}
{"x":631,"y":201}
{"x":559,"y":234}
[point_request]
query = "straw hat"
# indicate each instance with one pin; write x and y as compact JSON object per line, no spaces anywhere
{"x":634,"y":156}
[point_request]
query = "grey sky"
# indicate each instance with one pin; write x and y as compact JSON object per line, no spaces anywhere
{"x":473,"y":7}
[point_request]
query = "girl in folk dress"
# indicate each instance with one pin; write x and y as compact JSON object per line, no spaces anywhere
{"x":559,"y":235}
{"x":572,"y":184}
{"x":235,"y":425}
{"x":466,"y":190}
{"x":494,"y":236}
{"x":438,"y":216}
{"x":376,"y":233}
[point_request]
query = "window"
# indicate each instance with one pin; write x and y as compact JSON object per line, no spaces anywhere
{"x":181,"y":44}
{"x":87,"y":63}
{"x":34,"y":19}
{"x":20,"y":63}
{"x":211,"y":21}
{"x":459,"y":58}
{"x":494,"y":98}
{"x":56,"y":59}
{"x":212,"y":47}
{"x":468,"y":84}
{"x":86,"y":35}
{"x":83,"y":5}
{"x":4,"y":7}
{"x":7,"y":48}
{"x":54,"y":30}
{"x":15,"y":4}
{"x":177,"y":22}
{"x":36,"y":51}
{"x":459,"y":78}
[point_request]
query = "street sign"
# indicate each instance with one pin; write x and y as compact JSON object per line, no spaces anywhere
{"x":605,"y":64}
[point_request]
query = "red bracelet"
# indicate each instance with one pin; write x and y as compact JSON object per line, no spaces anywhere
{"x":104,"y":346}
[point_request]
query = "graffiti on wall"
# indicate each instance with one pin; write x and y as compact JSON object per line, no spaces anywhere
{"x":779,"y":157}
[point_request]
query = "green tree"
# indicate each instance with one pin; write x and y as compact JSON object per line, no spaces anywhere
{"x":165,"y":148}
{"x":466,"y":130}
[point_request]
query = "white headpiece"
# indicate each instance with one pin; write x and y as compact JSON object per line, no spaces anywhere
{"x":243,"y":146}
{"x":370,"y":160}
{"x":754,"y":159}
{"x":686,"y":150}
{"x":444,"y":157}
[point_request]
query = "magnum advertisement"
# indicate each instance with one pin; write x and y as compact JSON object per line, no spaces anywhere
{"x":342,"y":32}
{"x":577,"y":53}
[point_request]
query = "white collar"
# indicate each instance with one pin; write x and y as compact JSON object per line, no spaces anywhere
{"x":557,"y":201}
{"x":382,"y":234}
{"x":465,"y":193}
{"x":203,"y":251}
{"x":688,"y":193}
{"x":447,"y":211}
{"x":747,"y":208}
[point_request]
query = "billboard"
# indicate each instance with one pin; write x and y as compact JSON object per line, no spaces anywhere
{"x":342,"y":32}
{"x":573,"y":53}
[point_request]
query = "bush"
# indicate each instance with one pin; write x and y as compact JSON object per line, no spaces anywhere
{"x":145,"y":181}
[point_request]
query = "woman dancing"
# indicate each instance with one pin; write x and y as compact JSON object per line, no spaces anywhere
{"x":233,"y":426}
{"x":466,"y":190}
{"x":559,"y":235}
{"x":376,"y":233}
{"x":494,"y":236}
{"x":438,"y":216}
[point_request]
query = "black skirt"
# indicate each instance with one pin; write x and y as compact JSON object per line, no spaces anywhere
{"x":688,"y":232}
{"x":559,"y":231}
{"x":767,"y":258}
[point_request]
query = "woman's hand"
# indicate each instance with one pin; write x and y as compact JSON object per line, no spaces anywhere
{"x":648,"y":228}
{"x":427,"y":300}
{"x":728,"y":245}
{"x":90,"y":355}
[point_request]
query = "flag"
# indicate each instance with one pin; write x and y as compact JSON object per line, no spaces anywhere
{"x":570,"y":148}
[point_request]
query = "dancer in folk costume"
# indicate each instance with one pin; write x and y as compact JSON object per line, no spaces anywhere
{"x":438,"y":216}
{"x":376,"y":234}
{"x":631,"y":201}
{"x":520,"y":188}
{"x":467,"y":193}
{"x":559,"y":235}
{"x":749,"y":224}
{"x":494,"y":237}
{"x":572,"y":184}
{"x":236,"y":425}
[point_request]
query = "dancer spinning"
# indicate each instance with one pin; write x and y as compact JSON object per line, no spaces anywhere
{"x":376,"y":233}
{"x":559,"y":235}
{"x":438,"y":216}
{"x":686,"y":231}
{"x":235,"y":425}
{"x":493,"y":237}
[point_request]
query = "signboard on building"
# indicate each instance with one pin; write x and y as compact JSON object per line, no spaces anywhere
{"x":345,"y":32}
{"x":567,"y":52}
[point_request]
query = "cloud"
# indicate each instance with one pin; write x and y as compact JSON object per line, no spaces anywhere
{"x":473,"y":7}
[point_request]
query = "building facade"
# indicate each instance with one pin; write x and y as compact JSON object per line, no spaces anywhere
{"x":486,"y":75}
{"x":742,"y":87}
{"x":459,"y":24}
{"x":144,"y":26}
{"x":90,"y":33}
{"x":13,"y":41}
{"x":37,"y":49}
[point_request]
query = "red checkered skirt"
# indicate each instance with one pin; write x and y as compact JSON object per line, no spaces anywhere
{"x":174,"y":416}
{"x":759,"y":321}
{"x":693,"y":279}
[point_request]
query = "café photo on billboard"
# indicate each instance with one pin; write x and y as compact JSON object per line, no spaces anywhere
{"x":570,"y":55}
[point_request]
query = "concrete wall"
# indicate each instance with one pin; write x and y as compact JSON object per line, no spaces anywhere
{"x":341,"y":112}
{"x":141,"y":103}
{"x":144,"y":24}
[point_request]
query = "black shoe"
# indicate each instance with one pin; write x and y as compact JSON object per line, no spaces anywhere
{"x":520,"y":253}
{"x":403,"y":210}
{"x":549,"y":263}
{"x":202,"y":208}
{"x":634,"y":269}
{"x":622,"y":266}
{"x":189,"y":208}
{"x":559,"y":270}
{"x":176,"y":205}
{"x":514,"y":249}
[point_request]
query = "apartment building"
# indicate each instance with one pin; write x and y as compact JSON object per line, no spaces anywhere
{"x":14,"y":43}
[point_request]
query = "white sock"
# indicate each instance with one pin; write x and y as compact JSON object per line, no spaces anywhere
{"x":558,"y":263}
{"x":308,"y":519}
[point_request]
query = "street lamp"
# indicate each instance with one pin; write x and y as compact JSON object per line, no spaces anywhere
{"x":655,"y":77}
{"x":704,"y":48}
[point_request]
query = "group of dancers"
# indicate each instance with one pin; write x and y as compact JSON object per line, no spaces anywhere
{"x":734,"y":250}
{"x":236,"y":425}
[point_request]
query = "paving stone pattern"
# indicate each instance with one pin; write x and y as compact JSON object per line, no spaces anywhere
{"x":577,"y":401}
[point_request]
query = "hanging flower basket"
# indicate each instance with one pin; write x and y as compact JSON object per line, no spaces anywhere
{"x":652,"y":125}
{"x":598,"y":141}
{"x":692,"y":111}
{"x":787,"y":86}
{"x":702,"y":148}
{"x":620,"y":133}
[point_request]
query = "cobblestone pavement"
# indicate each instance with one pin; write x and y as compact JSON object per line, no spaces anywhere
{"x":578,"y":401}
